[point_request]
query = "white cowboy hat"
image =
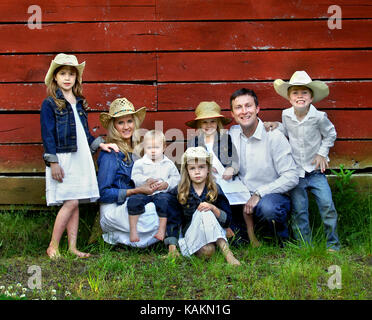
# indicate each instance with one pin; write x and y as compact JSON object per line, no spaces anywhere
{"x":301,"y":78}
{"x":62,"y":59}
{"x":121,"y":107}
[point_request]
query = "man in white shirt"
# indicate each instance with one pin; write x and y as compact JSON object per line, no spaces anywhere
{"x":266,"y":165}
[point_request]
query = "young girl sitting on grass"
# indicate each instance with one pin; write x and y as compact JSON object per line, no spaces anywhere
{"x":203,"y":209}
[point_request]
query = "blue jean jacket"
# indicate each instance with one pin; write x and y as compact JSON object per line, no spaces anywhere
{"x":58,"y":128}
{"x":114,"y":176}
{"x":180,"y":216}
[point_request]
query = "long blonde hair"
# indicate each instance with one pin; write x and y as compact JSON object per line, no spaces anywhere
{"x":185,"y":183}
{"x":77,"y":89}
{"x":113,"y":136}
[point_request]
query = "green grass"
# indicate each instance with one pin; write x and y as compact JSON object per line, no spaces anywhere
{"x":267,"y":272}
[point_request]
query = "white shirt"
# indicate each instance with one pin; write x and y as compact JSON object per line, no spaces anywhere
{"x":315,"y":134}
{"x":266,"y":163}
{"x":165,"y":170}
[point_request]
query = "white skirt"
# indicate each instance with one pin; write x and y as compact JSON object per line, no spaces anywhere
{"x":114,"y":221}
{"x":204,"y":229}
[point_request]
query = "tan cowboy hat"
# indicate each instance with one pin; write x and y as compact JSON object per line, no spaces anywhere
{"x":62,"y":59}
{"x":194,"y":153}
{"x":301,"y":78}
{"x":121,"y":107}
{"x":207,"y":110}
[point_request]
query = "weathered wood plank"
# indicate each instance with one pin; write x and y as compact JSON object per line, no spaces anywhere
{"x":99,"y":67}
{"x":21,"y":158}
{"x":31,"y":190}
{"x":179,"y":36}
{"x":83,"y":10}
{"x":98,"y":95}
{"x":265,"y":65}
{"x":251,"y":9}
{"x":353,"y":154}
{"x":22,"y":190}
{"x":25,"y":128}
{"x":181,"y":96}
{"x":186,"y":96}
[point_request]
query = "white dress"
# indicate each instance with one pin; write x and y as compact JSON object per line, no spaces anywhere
{"x":80,"y":181}
{"x":204,"y":229}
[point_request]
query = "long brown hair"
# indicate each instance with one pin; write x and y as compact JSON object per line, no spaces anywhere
{"x":185,"y":183}
{"x":77,"y":89}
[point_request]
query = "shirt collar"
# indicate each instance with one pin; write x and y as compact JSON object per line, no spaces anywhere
{"x":195,"y":195}
{"x":60,"y":95}
{"x":258,"y":132}
{"x":310,"y":114}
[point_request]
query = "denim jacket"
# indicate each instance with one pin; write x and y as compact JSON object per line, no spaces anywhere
{"x":181,"y":215}
{"x":58,"y":128}
{"x":114,"y":176}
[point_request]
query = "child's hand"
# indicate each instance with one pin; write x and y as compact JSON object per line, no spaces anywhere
{"x":320,"y":162}
{"x":227,"y":175}
{"x":205,"y":206}
{"x":147,"y":188}
{"x":162,"y":185}
{"x":108,"y":146}
{"x":57,"y":171}
{"x":270,"y":125}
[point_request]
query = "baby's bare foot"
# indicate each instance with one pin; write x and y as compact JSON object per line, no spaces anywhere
{"x":160,"y":235}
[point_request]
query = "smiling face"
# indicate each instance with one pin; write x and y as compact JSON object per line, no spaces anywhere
{"x":244,"y":112}
{"x":208,"y":126}
{"x":198,"y":171}
{"x":125,"y":126}
{"x":300,"y":97}
{"x":66,"y":78}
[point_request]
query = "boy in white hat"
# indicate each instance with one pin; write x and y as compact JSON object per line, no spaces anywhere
{"x":311,"y":134}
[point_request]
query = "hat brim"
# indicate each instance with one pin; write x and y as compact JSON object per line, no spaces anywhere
{"x":320,"y":89}
{"x":105,"y":117}
{"x":193,"y":123}
{"x":54,"y":65}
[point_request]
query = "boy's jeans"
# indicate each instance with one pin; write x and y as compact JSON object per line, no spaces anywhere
{"x":317,"y":183}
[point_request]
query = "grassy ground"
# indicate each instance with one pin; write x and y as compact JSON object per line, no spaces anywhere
{"x":267,"y":272}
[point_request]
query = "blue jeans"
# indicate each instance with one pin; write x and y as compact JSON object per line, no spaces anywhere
{"x":136,"y":203}
{"x":317,"y":183}
{"x":272,"y":207}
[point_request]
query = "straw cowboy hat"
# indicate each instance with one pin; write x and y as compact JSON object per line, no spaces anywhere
{"x":121,"y":107}
{"x":207,"y":110}
{"x":301,"y":78}
{"x":62,"y":59}
{"x":193,"y":153}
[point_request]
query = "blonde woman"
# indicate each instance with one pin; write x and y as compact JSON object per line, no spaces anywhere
{"x":123,"y":123}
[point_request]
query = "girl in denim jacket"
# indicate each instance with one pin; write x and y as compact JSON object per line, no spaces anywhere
{"x":70,"y":173}
{"x":203,"y":209}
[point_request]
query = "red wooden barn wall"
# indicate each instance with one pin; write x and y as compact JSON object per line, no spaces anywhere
{"x":169,"y":55}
